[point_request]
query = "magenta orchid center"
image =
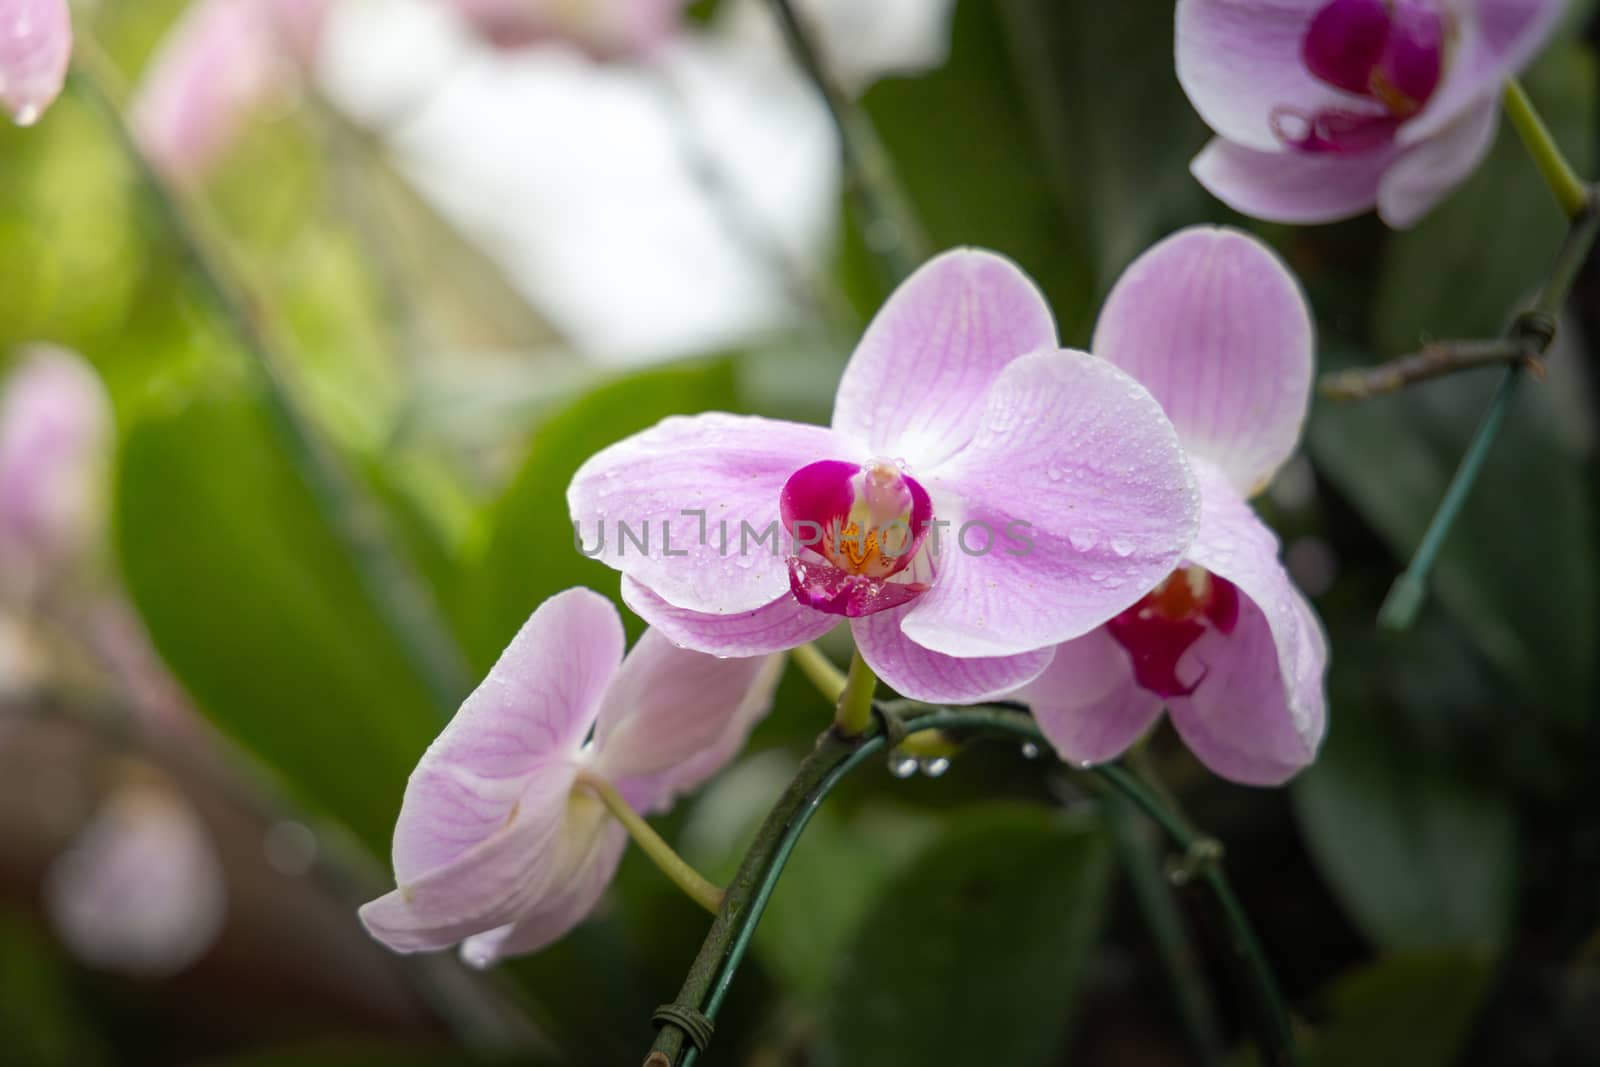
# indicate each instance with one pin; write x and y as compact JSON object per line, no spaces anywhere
{"x":1160,"y":628}
{"x":858,"y":536}
{"x":1389,"y":53}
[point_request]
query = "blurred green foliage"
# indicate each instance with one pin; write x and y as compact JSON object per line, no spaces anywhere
{"x":1448,"y":830}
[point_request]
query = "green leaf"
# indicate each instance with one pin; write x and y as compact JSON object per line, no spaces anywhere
{"x":1406,"y":1011}
{"x":973,"y":953}
{"x":529,"y":554}
{"x":253,"y":603}
{"x":969,"y":156}
{"x":1420,"y":857}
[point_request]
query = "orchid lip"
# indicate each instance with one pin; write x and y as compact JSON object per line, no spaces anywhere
{"x":1388,"y":53}
{"x":1161,"y":628}
{"x":859,"y":534}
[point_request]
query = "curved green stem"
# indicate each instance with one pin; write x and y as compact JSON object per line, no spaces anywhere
{"x":698,"y":888}
{"x":1535,"y":329}
{"x":1570,"y":191}
{"x":711,"y":975}
{"x":828,"y":679}
{"x":853,"y":714}
{"x":394,"y":590}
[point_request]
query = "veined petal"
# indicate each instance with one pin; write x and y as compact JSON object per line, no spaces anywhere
{"x":1258,"y":712}
{"x":1072,"y":502}
{"x":1495,"y":39}
{"x":915,"y":387}
{"x":1427,"y":173}
{"x":495,"y":781}
{"x":1240,"y":60}
{"x":775,"y":627}
{"x":1087,"y":702}
{"x":554,"y":917}
{"x":1291,"y":186}
{"x":1215,"y":326}
{"x":667,"y":705}
{"x":923,"y":674}
{"x":658,"y":792}
{"x":727,"y":556}
{"x":526,"y":865}
{"x":35,"y":48}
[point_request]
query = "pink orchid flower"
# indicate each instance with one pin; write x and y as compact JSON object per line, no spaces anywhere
{"x":981,"y":496}
{"x":35,"y":48}
{"x":1325,"y":108}
{"x":55,"y":435}
{"x":605,"y":29}
{"x":1217,"y":329}
{"x":499,"y":845}
{"x":222,"y":62}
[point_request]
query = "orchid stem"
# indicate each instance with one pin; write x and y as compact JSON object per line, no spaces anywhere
{"x":1535,"y":329}
{"x":853,"y":713}
{"x":1434,"y":360}
{"x":888,"y":223}
{"x":1570,"y":191}
{"x":395,"y":592}
{"x":698,"y":888}
{"x":711,"y":974}
{"x":828,"y":679}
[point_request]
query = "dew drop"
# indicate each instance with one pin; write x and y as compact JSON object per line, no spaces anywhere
{"x":1082,"y":540}
{"x":934,"y":766}
{"x":1030,"y":750}
{"x":1122,"y":547}
{"x":26,"y":115}
{"x":903,"y":766}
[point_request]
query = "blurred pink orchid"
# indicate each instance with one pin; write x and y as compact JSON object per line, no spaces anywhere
{"x":499,"y":845}
{"x":1216,"y":328}
{"x":605,"y":29}
{"x":55,"y":436}
{"x":35,"y":48}
{"x":141,"y":891}
{"x":223,"y":61}
{"x":981,"y":496}
{"x":1324,"y":109}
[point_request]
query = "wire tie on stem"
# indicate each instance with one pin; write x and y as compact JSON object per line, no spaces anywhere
{"x":698,"y":1028}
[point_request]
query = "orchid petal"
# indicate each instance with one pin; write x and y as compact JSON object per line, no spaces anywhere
{"x":1240,"y":61}
{"x":1258,"y":711}
{"x":35,"y":48}
{"x":1495,"y":39}
{"x":923,"y":674}
{"x":1215,"y":326}
{"x":486,"y":809}
{"x":727,"y":471}
{"x":775,"y":627}
{"x":667,"y":705}
{"x":566,"y":908}
{"x":1087,"y":703}
{"x":915,"y":387}
{"x":1426,"y":174}
{"x":1291,"y":186}
{"x":1078,"y":499}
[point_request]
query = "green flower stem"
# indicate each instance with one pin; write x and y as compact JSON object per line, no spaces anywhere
{"x":888,"y":222}
{"x":1570,"y":191}
{"x":1536,"y":329}
{"x":394,"y":590}
{"x":1205,"y":856}
{"x":711,"y":974}
{"x":698,"y":888}
{"x":1191,"y":994}
{"x":828,"y":679}
{"x":853,"y":713}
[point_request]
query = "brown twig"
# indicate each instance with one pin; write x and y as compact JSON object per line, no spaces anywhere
{"x":1433,"y":360}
